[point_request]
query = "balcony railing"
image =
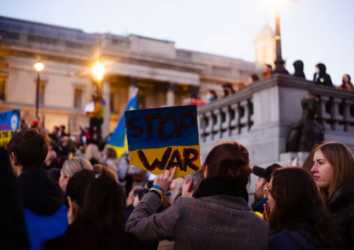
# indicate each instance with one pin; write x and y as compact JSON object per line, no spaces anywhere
{"x":262,"y":114}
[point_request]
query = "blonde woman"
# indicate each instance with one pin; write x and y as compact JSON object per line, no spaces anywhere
{"x":70,"y":167}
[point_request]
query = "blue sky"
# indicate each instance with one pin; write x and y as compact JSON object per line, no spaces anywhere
{"x":313,"y":30}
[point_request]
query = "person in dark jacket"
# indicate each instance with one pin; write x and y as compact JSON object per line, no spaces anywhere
{"x":321,"y":77}
{"x":299,"y":69}
{"x":297,"y":215}
{"x":216,"y":217}
{"x":333,"y":171}
{"x":12,"y":223}
{"x":264,"y":175}
{"x":43,"y":201}
{"x":99,"y":225}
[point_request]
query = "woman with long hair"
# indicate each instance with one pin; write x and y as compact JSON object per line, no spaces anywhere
{"x":333,"y":172}
{"x":297,"y":215}
{"x":216,"y":217}
{"x":99,"y":223}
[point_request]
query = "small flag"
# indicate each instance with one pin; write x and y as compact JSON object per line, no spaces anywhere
{"x":118,"y":139}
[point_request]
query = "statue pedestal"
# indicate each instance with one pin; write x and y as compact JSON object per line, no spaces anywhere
{"x":293,"y":158}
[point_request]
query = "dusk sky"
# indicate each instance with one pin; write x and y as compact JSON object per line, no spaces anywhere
{"x":313,"y":30}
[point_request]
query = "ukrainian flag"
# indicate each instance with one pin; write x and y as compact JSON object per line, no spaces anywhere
{"x":118,"y":139}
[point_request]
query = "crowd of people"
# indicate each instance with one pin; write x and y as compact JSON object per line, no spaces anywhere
{"x":320,"y":77}
{"x":64,"y":194}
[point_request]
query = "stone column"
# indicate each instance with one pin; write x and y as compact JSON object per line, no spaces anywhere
{"x":107,"y":113}
{"x":170,"y":95}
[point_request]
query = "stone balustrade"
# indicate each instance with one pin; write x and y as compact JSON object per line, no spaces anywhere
{"x":261,"y":115}
{"x":336,"y":109}
{"x":230,"y":116}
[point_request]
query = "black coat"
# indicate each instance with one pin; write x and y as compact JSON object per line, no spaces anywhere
{"x":323,"y":79}
{"x":341,"y":205}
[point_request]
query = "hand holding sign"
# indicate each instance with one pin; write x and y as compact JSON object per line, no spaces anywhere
{"x":164,"y":138}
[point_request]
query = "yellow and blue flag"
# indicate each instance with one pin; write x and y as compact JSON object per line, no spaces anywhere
{"x":118,"y":139}
{"x":9,"y":124}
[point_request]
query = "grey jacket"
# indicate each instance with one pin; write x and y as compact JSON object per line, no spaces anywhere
{"x":214,"y":222}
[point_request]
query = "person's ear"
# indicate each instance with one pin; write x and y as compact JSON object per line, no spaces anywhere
{"x":72,"y":210}
{"x":16,"y":168}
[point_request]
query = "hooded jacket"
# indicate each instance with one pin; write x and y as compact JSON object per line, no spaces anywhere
{"x":44,"y":209}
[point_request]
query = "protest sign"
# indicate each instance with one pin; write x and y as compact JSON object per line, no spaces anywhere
{"x":9,"y":123}
{"x":164,"y":138}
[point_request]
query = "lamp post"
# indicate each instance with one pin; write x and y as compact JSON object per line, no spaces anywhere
{"x":38,"y":67}
{"x":98,"y":72}
{"x":276,"y":6}
{"x":279,"y":62}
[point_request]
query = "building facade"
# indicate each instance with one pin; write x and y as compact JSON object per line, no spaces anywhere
{"x":164,"y":74}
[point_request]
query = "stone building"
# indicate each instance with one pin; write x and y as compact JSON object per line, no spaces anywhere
{"x":164,"y":74}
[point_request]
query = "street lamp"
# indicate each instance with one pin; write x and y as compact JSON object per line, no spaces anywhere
{"x":98,"y":72}
{"x":279,"y":62}
{"x":38,"y":67}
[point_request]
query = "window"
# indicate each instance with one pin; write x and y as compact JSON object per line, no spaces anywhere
{"x":112,"y":103}
{"x":78,"y":96}
{"x":9,"y":35}
{"x":2,"y":88}
{"x":42,"y":39}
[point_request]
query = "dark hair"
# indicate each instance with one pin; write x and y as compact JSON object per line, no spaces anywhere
{"x":308,"y":163}
{"x":13,"y":230}
{"x":299,"y":68}
{"x":103,"y":205}
{"x":78,"y":184}
{"x":213,"y":93}
{"x":229,"y":161}
{"x":29,"y":147}
{"x":349,"y":78}
{"x":268,"y":66}
{"x":299,"y":207}
{"x":254,"y":77}
{"x":322,"y":68}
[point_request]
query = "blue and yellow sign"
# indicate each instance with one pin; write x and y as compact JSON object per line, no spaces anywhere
{"x":9,"y":123}
{"x":164,"y":138}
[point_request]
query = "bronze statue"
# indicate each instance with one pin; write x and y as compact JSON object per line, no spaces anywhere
{"x":308,"y":131}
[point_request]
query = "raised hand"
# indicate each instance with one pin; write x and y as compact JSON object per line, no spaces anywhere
{"x":164,"y":180}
